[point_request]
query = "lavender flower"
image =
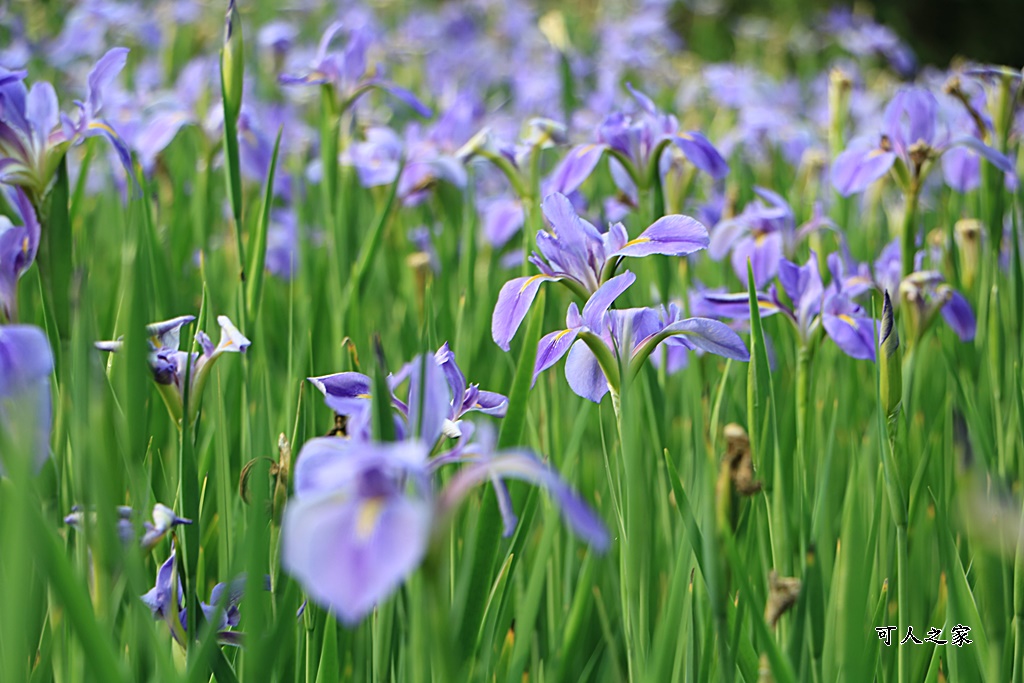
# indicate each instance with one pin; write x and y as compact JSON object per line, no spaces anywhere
{"x":910,"y":141}
{"x":18,"y":246}
{"x":347,"y":72}
{"x":593,"y":338}
{"x":580,"y":257}
{"x":364,"y":513}
{"x":760,"y":234}
{"x":32,"y":145}
{"x":26,"y":413}
{"x":169,"y":364}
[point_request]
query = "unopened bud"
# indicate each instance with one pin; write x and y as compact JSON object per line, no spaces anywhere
{"x":890,"y":363}
{"x":232,"y":61}
{"x":967,"y":234}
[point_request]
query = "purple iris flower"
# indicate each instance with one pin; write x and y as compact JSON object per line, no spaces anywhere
{"x":575,"y":253}
{"x":910,"y":134}
{"x":446,"y":396}
{"x":636,"y":142}
{"x":18,"y":246}
{"x":169,"y":364}
{"x":32,"y":144}
{"x":761,"y":234}
{"x":347,"y":71}
{"x":811,"y":305}
{"x":597,"y":334}
{"x":26,"y":412}
{"x":165,"y":599}
{"x":363,"y":514}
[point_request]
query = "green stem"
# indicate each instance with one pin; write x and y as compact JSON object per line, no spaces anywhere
{"x":902,"y":596}
{"x":910,"y":227}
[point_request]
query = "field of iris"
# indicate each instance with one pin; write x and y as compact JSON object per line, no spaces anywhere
{"x":469,"y":341}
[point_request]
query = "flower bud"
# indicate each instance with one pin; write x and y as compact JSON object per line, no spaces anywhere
{"x":890,"y":363}
{"x":967,"y":234}
{"x":232,"y":62}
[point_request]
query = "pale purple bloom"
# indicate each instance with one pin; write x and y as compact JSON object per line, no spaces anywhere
{"x":32,"y":144}
{"x":165,"y":600}
{"x":18,"y":246}
{"x":347,"y":71}
{"x":911,"y":132}
{"x":26,"y":412}
{"x":364,"y":514}
{"x":760,"y":234}
{"x":810,"y":304}
{"x":438,"y":397}
{"x":628,"y":333}
{"x":574,"y":251}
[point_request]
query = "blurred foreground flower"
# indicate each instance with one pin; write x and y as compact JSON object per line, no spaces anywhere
{"x":26,"y":413}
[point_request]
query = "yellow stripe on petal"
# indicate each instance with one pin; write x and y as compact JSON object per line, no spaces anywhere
{"x":369,"y":514}
{"x":638,"y":240}
{"x":848,"y":320}
{"x":362,"y":396}
{"x":686,"y":136}
{"x":561,"y":334}
{"x":530,"y":280}
{"x":99,"y":125}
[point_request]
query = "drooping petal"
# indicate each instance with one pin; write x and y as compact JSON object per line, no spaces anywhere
{"x":523,"y":466}
{"x":674,"y":235}
{"x":601,"y":300}
{"x":350,"y":555}
{"x":854,"y":335}
{"x":996,"y":158}
{"x":551,"y":348}
{"x":702,"y":154}
{"x":958,"y":315}
{"x":102,"y":75}
{"x":584,"y":373}
{"x":711,"y":336}
{"x":855,"y":169}
{"x":961,"y":169}
{"x":514,"y":301}
{"x":575,"y":168}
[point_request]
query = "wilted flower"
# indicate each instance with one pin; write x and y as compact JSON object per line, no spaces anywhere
{"x":26,"y":413}
{"x":926,"y":294}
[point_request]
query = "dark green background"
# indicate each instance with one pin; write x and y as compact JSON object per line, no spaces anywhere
{"x":989,"y":31}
